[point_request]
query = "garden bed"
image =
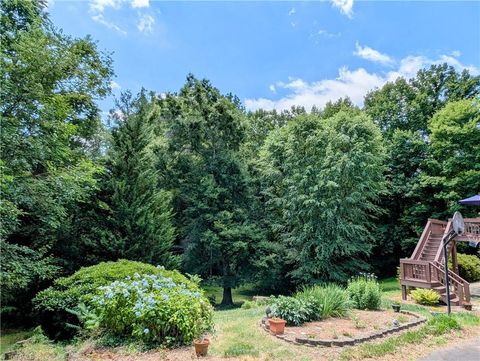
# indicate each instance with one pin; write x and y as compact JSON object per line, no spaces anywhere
{"x":360,"y":326}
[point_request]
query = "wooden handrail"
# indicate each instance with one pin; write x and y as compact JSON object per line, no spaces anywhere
{"x":423,"y":239}
{"x":461,"y":287}
{"x":439,"y":256}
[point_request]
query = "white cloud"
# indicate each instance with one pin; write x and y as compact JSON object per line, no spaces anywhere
{"x":99,"y":18}
{"x":145,"y":24}
{"x":292,"y":11}
{"x":352,"y":83}
{"x":272,"y":88}
{"x":456,"y":53}
{"x":99,"y":6}
{"x":327,"y":34}
{"x":367,"y":53}
{"x":140,"y":3}
{"x":114,"y":85}
{"x":345,"y":6}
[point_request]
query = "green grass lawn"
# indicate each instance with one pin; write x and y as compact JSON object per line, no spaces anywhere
{"x":9,"y":337}
{"x":239,"y":335}
{"x":390,"y":284}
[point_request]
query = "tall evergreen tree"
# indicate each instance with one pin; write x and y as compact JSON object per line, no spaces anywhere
{"x":141,"y":211}
{"x":204,"y":130}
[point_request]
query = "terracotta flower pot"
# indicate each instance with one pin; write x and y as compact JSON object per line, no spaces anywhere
{"x":277,"y":326}
{"x":201,"y":347}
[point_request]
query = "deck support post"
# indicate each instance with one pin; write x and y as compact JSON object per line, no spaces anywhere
{"x":404,"y":292}
{"x":454,"y":257}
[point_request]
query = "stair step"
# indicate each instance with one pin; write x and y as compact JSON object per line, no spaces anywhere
{"x":453,"y":301}
{"x":452,"y":295}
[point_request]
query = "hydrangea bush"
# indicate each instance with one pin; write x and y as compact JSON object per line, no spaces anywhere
{"x":55,"y":303}
{"x":154,"y":309}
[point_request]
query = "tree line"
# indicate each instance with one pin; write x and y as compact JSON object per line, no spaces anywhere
{"x":191,"y":180}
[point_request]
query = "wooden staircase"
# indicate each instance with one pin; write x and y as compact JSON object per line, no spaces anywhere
{"x":426,"y":267}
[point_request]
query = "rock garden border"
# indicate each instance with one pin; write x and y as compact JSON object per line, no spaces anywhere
{"x":348,"y":342}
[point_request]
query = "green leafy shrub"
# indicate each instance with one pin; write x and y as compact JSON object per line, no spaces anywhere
{"x":468,"y":267}
{"x":153,"y":309}
{"x":54,"y":303}
{"x":425,"y":297}
{"x":293,"y":310}
{"x":365,"y":292}
{"x":248,"y":304}
{"x":327,"y":301}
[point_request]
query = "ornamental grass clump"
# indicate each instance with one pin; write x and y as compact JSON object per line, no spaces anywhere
{"x":152,"y":309}
{"x":327,"y":301}
{"x":365,"y":292}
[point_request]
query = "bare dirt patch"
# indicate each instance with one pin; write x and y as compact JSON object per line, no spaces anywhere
{"x":356,"y":324}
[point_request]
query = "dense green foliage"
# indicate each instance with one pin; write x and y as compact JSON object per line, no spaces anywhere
{"x":67,"y":293}
{"x":153,"y":309}
{"x":322,"y":178}
{"x":468,"y":267}
{"x":425,"y":296}
{"x":141,"y":211}
{"x":202,"y":131}
{"x":365,"y":292}
{"x":311,"y":304}
{"x":192,"y":180}
{"x":295,"y":311}
{"x":51,"y":137}
{"x":421,"y":174}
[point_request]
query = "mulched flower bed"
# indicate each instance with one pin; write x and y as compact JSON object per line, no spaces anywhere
{"x":359,"y":326}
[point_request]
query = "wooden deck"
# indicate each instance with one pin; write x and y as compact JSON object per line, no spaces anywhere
{"x":425,"y":268}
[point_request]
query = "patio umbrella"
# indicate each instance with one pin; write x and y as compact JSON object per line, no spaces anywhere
{"x":471,"y":201}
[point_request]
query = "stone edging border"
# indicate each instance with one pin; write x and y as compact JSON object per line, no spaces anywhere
{"x":349,"y":342}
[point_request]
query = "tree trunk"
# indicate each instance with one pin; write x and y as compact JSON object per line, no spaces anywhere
{"x":227,"y":299}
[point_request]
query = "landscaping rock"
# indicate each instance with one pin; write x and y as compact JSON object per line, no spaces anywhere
{"x":325,"y":343}
{"x":338,"y":343}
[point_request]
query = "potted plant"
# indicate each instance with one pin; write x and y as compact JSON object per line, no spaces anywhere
{"x":396,"y":306}
{"x":201,"y":346}
{"x":277,"y":325}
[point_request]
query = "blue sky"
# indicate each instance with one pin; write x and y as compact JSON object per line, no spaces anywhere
{"x":275,"y":54}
